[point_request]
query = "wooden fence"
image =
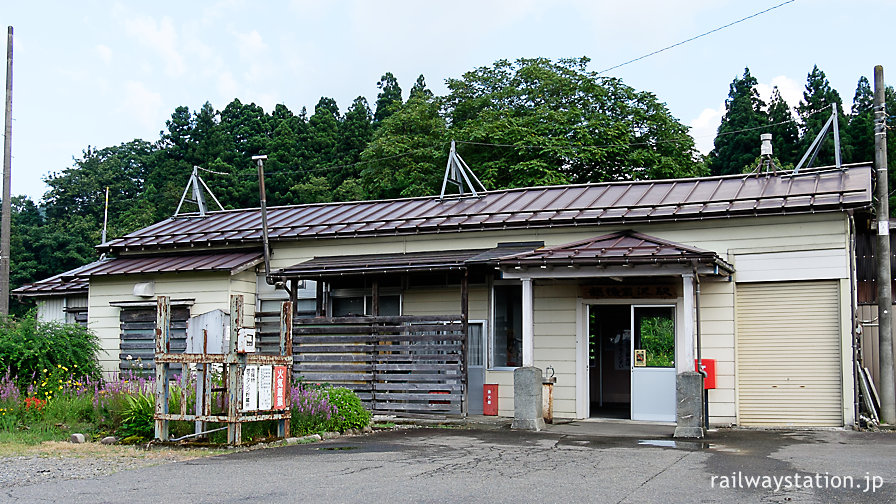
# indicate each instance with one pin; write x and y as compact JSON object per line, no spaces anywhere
{"x":397,"y":364}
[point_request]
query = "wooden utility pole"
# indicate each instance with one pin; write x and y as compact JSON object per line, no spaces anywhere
{"x":884,"y":280}
{"x":6,"y":213}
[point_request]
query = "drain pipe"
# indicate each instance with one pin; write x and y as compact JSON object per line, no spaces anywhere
{"x":856,"y":346}
{"x":700,"y":349}
{"x":262,"y":194}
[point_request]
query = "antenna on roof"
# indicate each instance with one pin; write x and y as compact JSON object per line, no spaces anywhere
{"x":458,"y":173}
{"x":816,"y":144}
{"x":198,"y":198}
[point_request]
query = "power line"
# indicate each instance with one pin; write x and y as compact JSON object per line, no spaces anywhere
{"x":696,"y":37}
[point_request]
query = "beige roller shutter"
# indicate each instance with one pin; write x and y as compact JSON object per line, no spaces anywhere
{"x":788,"y":354}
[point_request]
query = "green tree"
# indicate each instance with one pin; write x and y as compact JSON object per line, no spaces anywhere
{"x":737,"y":141}
{"x":419,"y":89}
{"x":782,"y":126}
{"x":860,"y":129}
{"x":388,"y":100}
{"x":407,"y":154}
{"x":355,"y":132}
{"x":557,"y":122}
{"x":814,"y":110}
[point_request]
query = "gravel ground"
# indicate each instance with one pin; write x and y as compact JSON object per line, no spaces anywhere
{"x":58,"y":461}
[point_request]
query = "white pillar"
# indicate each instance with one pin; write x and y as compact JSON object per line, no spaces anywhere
{"x":684,"y":344}
{"x":528,"y":324}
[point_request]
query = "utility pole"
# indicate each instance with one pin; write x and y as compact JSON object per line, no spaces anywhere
{"x":884,"y":292}
{"x":6,"y":213}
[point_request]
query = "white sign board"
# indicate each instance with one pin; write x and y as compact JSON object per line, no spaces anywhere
{"x":206,"y":333}
{"x":245,"y":342}
{"x":250,"y":388}
{"x":265,"y":380}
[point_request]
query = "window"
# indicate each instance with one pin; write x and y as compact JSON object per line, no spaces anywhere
{"x":358,"y":305}
{"x":507,"y":338}
{"x":655,"y":335}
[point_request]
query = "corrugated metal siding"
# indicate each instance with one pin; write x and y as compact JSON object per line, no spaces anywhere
{"x":788,"y":354}
{"x":51,"y":310}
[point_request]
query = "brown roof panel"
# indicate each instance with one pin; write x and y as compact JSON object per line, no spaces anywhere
{"x":606,"y":203}
{"x":623,"y":247}
{"x":170,"y":264}
{"x":58,"y":285}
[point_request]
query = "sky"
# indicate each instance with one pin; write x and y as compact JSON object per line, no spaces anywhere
{"x":100,"y":73}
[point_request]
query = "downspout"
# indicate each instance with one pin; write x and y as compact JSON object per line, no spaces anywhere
{"x":700,"y":348}
{"x":852,"y":312}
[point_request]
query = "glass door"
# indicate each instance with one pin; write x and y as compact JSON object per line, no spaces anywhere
{"x":653,"y":363}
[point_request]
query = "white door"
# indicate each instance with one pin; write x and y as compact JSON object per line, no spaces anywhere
{"x":788,"y":354}
{"x":653,"y":363}
{"x":475,"y":366}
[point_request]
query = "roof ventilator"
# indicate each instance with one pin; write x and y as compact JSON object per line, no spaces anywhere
{"x":816,"y":144}
{"x":198,"y":198}
{"x":459,"y":174}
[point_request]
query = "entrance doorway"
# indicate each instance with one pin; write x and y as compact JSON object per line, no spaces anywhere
{"x":631,"y":361}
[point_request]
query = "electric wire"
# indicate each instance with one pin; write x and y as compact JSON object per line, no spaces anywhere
{"x":639,"y":58}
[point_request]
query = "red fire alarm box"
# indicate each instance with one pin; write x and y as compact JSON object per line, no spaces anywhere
{"x":709,"y":366}
{"x":490,"y":399}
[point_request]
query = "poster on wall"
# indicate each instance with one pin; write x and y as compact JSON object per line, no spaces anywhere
{"x":250,"y":388}
{"x":280,"y":392}
{"x":265,"y":377}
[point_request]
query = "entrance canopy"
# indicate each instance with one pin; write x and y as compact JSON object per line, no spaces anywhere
{"x":622,"y":253}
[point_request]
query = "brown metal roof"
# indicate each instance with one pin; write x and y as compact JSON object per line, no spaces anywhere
{"x":232,"y":262}
{"x":607,"y":203}
{"x":329,"y":266}
{"x":59,"y":285}
{"x":620,"y":248}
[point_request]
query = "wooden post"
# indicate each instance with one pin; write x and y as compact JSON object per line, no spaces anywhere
{"x":884,"y":279}
{"x":6,"y":217}
{"x":163,"y":345}
{"x":319,"y":299}
{"x":286,"y":312}
{"x":234,"y":374}
{"x":375,"y":295}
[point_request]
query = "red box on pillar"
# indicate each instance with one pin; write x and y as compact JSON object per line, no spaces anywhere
{"x":709,"y":366}
{"x":490,"y":399}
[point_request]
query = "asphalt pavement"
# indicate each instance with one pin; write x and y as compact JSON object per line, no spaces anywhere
{"x":568,"y":463}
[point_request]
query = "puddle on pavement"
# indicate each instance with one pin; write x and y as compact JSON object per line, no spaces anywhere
{"x":671,"y":443}
{"x":337,"y":448}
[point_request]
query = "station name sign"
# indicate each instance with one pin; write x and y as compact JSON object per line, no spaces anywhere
{"x":661,"y":291}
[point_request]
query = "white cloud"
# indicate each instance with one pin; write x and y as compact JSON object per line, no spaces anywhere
{"x":105,"y":53}
{"x":251,"y":45}
{"x":705,"y":127}
{"x":228,"y":88}
{"x":142,"y":104}
{"x":790,"y":89}
{"x":161,"y":37}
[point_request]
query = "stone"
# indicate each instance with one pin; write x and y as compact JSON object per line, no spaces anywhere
{"x":689,"y":409}
{"x":77,"y":438}
{"x":109,"y":440}
{"x":367,"y":429}
{"x":527,"y":399}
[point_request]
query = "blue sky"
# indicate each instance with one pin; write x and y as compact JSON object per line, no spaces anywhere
{"x":101,"y":73}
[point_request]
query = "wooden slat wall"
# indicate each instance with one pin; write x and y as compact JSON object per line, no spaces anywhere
{"x":788,"y":363}
{"x":404,"y":364}
{"x":138,"y":337}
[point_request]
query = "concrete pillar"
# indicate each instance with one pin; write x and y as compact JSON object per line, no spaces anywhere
{"x":528,"y":324}
{"x":684,"y":338}
{"x":527,"y":400}
{"x":689,"y":409}
{"x":688,"y":382}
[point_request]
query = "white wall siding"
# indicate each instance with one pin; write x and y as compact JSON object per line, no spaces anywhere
{"x":797,"y":265}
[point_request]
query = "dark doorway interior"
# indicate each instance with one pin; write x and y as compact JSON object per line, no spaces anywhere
{"x":610,"y":360}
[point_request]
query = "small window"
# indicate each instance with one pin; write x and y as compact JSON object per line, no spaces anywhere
{"x":356,"y":306}
{"x":507,"y":338}
{"x":655,"y":334}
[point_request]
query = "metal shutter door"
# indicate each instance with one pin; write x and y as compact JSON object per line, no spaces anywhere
{"x":788,"y":354}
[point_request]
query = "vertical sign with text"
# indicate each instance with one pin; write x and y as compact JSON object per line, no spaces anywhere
{"x":280,"y":392}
